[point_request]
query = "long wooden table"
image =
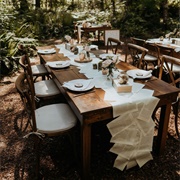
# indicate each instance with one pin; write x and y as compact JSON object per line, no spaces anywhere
{"x":167,"y":44}
{"x":91,"y":108}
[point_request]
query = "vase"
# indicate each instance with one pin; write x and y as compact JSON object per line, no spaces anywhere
{"x":110,"y":73}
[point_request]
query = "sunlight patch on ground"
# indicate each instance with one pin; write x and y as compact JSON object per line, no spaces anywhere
{"x":3,"y":144}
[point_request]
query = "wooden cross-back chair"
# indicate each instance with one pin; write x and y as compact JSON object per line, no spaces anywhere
{"x":171,"y":65}
{"x":151,"y":57}
{"x":47,"y":121}
{"x":113,"y":45}
{"x":138,"y":41}
{"x":38,"y":70}
{"x":163,"y":50}
{"x":45,"y":90}
{"x":21,"y":87}
{"x":137,"y":54}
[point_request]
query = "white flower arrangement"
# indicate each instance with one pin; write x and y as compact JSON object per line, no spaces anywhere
{"x":110,"y":64}
{"x":67,"y":38}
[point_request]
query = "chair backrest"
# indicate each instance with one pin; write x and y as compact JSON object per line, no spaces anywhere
{"x":24,"y":88}
{"x":111,"y":33}
{"x":138,"y":41}
{"x":137,"y":54}
{"x":23,"y":62}
{"x":168,"y":63}
{"x":164,"y":50}
{"x":152,"y":49}
{"x":113,"y":45}
{"x":26,"y":65}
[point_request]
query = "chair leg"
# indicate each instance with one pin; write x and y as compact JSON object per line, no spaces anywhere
{"x":175,"y":111}
{"x":156,"y":120}
{"x":37,"y":142}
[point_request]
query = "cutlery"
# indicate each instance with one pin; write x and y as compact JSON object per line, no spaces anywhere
{"x":83,"y":93}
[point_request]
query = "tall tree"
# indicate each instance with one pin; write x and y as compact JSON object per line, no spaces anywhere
{"x":38,"y":3}
{"x":165,"y":12}
{"x":113,"y":7}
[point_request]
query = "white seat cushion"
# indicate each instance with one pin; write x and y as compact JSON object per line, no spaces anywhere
{"x":55,"y":118}
{"x":149,"y":57}
{"x":46,"y":88}
{"x":175,"y":69}
{"x":38,"y":69}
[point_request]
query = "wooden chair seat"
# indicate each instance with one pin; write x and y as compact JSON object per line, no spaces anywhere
{"x":38,"y":70}
{"x":137,"y":54}
{"x":149,"y":58}
{"x":46,"y":88}
{"x":55,"y":118}
{"x":175,"y":68}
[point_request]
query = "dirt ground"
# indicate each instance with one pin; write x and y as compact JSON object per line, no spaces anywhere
{"x":17,"y":158}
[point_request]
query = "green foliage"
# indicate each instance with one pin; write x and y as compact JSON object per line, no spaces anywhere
{"x":140,"y":18}
{"x":9,"y":52}
{"x":143,"y":18}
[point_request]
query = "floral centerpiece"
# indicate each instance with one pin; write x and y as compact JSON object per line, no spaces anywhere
{"x":86,"y":48}
{"x":71,"y":44}
{"x":68,"y":38}
{"x":109,"y":64}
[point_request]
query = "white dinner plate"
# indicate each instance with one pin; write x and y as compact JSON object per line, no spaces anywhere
{"x":58,"y":64}
{"x":46,"y":51}
{"x":139,"y":74}
{"x":79,"y":85}
{"x":104,"y":56}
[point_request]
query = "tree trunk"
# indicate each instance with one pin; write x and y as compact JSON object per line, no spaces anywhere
{"x":113,"y":7}
{"x":38,"y":3}
{"x":165,"y":13}
{"x":102,"y":5}
{"x":24,"y":5}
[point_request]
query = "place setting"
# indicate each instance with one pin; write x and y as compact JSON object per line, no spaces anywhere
{"x":107,"y":56}
{"x":58,"y":64}
{"x":46,"y":51}
{"x":79,"y":85}
{"x":139,"y":73}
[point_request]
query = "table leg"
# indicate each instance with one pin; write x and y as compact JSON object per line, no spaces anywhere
{"x":86,"y":151}
{"x":99,"y":36}
{"x":163,"y":128}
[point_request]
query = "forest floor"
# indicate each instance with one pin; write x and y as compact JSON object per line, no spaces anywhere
{"x":17,"y":157}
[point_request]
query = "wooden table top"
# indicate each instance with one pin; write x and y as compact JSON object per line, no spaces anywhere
{"x":94,"y":101}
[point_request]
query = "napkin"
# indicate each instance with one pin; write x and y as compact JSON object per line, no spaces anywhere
{"x":139,"y":73}
{"x":104,"y":56}
{"x":146,"y":73}
{"x":71,"y":84}
{"x":59,"y":64}
{"x":177,"y":49}
{"x":92,"y":46}
{"x":46,"y":51}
